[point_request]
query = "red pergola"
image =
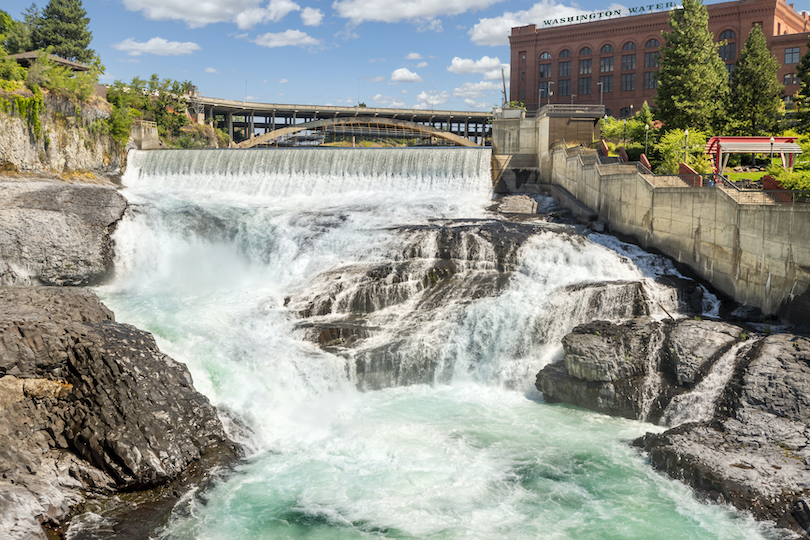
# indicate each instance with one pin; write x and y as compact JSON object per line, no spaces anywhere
{"x":719,"y":149}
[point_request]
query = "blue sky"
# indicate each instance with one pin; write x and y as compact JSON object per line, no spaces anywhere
{"x":440,"y":54}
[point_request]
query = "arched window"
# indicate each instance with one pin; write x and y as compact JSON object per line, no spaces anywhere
{"x":565,"y":53}
{"x":607,"y":49}
{"x":585,"y":51}
{"x":629,"y":46}
{"x":652,"y":44}
{"x":545,"y":56}
{"x":728,"y":51}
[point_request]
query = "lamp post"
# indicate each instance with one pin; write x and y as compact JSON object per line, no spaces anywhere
{"x":685,"y":145}
{"x":646,"y":132}
{"x":550,"y":93}
{"x":572,"y":98}
{"x":772,"y":141}
{"x":601,"y":93}
{"x":631,"y":110}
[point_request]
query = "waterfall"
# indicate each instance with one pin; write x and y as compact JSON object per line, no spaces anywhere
{"x":310,"y":171}
{"x":286,"y":279}
{"x":651,"y":385}
{"x":699,"y":404}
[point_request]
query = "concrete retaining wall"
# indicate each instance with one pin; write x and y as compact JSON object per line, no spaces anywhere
{"x":757,"y":253}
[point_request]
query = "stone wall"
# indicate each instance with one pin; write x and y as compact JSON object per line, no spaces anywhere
{"x":756,"y":251}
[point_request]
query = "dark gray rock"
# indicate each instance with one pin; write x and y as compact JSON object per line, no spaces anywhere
{"x":56,"y":234}
{"x":87,"y":404}
{"x":634,"y":369}
{"x":755,"y":453}
{"x":691,"y":347}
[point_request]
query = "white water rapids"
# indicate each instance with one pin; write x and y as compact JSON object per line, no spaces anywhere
{"x":212,"y":248}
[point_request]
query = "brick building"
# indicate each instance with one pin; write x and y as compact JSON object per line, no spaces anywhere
{"x":610,"y":58}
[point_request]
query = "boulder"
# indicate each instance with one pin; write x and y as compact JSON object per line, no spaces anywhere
{"x":87,"y":404}
{"x":56,"y":234}
{"x":635,"y":369}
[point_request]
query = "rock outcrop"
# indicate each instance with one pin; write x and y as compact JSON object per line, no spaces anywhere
{"x":87,"y":404}
{"x":634,"y":370}
{"x":755,"y":451}
{"x":56,"y":234}
{"x":750,"y":447}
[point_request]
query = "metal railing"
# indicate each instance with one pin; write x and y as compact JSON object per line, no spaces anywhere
{"x":711,"y":181}
{"x":590,"y":110}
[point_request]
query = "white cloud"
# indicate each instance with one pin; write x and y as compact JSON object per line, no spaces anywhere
{"x":374,"y":79}
{"x":490,"y":67}
{"x":471,"y":103}
{"x":157,"y":46}
{"x":275,"y":11}
{"x":421,"y":65}
{"x":375,"y":60}
{"x":413,"y":56}
{"x":288,"y":38}
{"x":476,"y":90}
{"x":311,"y":16}
{"x":283,"y":81}
{"x":405,"y":92}
{"x":431,"y":99}
{"x":495,"y":31}
{"x":347,"y":33}
{"x":423,"y":11}
{"x":388,"y":101}
{"x":246,"y":13}
{"x":211,"y":70}
{"x":405,"y":75}
{"x":434,"y":25}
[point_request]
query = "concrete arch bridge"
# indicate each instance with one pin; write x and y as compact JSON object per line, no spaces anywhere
{"x":374,"y":126}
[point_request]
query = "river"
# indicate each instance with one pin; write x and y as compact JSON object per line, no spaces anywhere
{"x":370,"y":333}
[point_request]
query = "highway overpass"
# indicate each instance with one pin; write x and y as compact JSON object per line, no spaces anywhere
{"x":243,"y":120}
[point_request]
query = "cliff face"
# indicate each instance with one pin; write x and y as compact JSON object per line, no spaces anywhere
{"x":70,"y":139}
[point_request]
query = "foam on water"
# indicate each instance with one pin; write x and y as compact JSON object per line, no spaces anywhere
{"x":207,"y":263}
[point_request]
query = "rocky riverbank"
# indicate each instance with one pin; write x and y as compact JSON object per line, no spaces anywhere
{"x":738,"y":406}
{"x":88,"y":406}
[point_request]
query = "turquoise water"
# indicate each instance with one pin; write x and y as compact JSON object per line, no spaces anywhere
{"x":210,"y":271}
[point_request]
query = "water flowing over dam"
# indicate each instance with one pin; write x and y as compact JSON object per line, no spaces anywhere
{"x":371,"y":333}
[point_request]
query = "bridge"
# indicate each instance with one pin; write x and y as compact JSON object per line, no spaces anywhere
{"x":255,"y":124}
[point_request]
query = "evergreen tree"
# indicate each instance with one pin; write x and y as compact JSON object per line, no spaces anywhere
{"x":756,"y":93}
{"x":63,"y":26}
{"x":18,"y":34}
{"x":692,"y":80}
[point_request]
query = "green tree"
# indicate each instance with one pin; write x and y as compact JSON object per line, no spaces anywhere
{"x":756,"y":93}
{"x":18,"y":35}
{"x":675,"y":147}
{"x":63,"y":26}
{"x":692,"y":80}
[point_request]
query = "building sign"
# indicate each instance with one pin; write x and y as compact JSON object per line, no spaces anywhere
{"x":601,"y":15}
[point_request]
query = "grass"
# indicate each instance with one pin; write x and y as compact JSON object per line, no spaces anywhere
{"x":735,"y":176}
